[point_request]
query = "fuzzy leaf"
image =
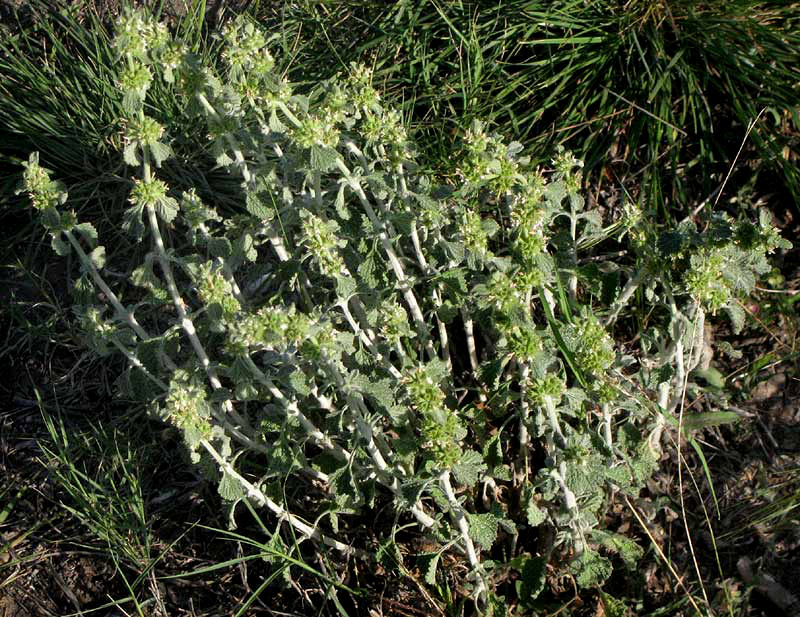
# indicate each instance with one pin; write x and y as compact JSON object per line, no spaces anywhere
{"x":220,"y":247}
{"x":429,"y":562}
{"x":345,"y":287}
{"x":88,"y":231}
{"x":536,"y":516}
{"x":339,"y":204}
{"x":160,"y":152}
{"x":532,"y":579}
{"x":167,"y":209}
{"x":483,"y":528}
{"x":389,"y":556}
{"x":737,"y":316}
{"x":131,"y":154}
{"x":628,"y":550}
{"x":469,"y":468}
{"x":60,"y":247}
{"x":323,"y":158}
{"x":590,"y":569}
{"x":229,"y":488}
{"x":256,"y":203}
{"x":132,"y":221}
{"x":98,"y":257}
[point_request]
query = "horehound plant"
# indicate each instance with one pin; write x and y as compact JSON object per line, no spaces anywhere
{"x":377,"y":337}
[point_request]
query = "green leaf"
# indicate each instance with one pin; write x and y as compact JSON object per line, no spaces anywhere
{"x":428,"y":563}
{"x":389,"y":556}
{"x":131,"y":154}
{"x":339,"y":204}
{"x":167,"y":209}
{"x":229,"y":488}
{"x":220,"y":247}
{"x":536,"y":516}
{"x":323,"y":158}
{"x":403,"y":222}
{"x":737,"y":316}
{"x":628,"y":550}
{"x":60,"y":247}
{"x":159,"y":151}
{"x":370,"y":270}
{"x":590,"y":569}
{"x":697,"y":421}
{"x":51,"y":219}
{"x":614,"y":607}
{"x":98,"y":257}
{"x":256,"y":204}
{"x":483,"y":528}
{"x":246,"y":247}
{"x":132,"y":221}
{"x":88,"y":231}
{"x":532,"y":579}
{"x":140,"y":386}
{"x":469,"y":468}
{"x":345,"y":287}
{"x":712,"y":376}
{"x":147,"y":352}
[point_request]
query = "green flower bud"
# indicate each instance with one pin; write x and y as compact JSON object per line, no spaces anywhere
{"x":187,"y":408}
{"x":425,"y":394}
{"x":129,"y":39}
{"x":393,"y":323}
{"x":317,"y":131}
{"x":704,"y":281}
{"x":363,"y":95}
{"x":476,"y":240}
{"x":524,"y":343}
{"x":551,"y":386}
{"x":592,"y":346}
{"x":144,"y":129}
{"x":135,"y":80}
{"x":98,"y":331}
{"x":503,"y":294}
{"x":43,"y":192}
{"x":214,"y":289}
{"x":148,"y":193}
{"x":195,"y":212}
{"x":322,"y":243}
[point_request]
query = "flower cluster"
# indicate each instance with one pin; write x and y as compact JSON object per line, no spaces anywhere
{"x":214,"y":290}
{"x":43,"y":192}
{"x":593,"y":347}
{"x":322,"y":243}
{"x":187,"y":408}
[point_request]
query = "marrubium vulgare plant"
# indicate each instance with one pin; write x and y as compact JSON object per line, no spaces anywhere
{"x":379,"y":338}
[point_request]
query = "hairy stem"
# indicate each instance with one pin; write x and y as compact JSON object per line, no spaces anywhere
{"x":259,"y":497}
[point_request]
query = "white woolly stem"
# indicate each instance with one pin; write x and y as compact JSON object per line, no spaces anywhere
{"x":232,"y":141}
{"x":293,"y":411}
{"x":622,"y":300}
{"x":423,"y":263}
{"x":552,"y":419}
{"x":101,"y":284}
{"x":394,"y":262}
{"x":524,"y":436}
{"x":571,"y":504}
{"x":185,"y":320}
{"x":259,"y":497}
{"x":368,"y":341}
{"x":606,"y":411}
{"x":472,"y":350}
{"x":460,"y":518}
